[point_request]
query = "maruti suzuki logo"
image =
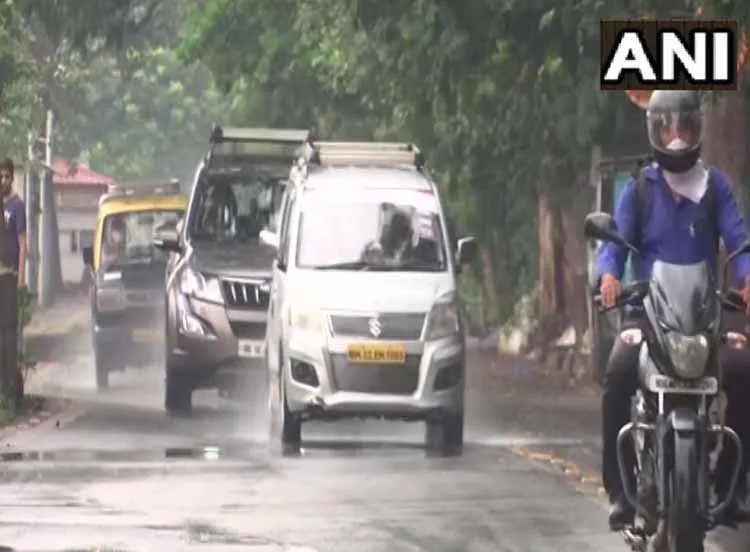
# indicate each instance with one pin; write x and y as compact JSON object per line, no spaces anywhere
{"x":376,"y":328}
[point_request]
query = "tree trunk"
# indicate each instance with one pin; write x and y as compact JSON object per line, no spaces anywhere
{"x":725,"y":136}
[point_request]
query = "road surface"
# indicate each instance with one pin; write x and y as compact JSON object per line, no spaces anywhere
{"x":118,"y":474}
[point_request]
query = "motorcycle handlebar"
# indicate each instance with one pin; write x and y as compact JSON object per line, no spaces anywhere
{"x":635,"y":292}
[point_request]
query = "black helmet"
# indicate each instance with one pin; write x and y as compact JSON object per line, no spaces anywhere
{"x":674,"y":119}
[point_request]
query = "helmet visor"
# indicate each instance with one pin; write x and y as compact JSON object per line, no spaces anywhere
{"x":675,"y":131}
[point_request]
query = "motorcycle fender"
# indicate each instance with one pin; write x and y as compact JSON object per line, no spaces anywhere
{"x":688,"y":440}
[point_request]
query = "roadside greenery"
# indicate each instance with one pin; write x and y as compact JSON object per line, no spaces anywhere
{"x":501,"y":95}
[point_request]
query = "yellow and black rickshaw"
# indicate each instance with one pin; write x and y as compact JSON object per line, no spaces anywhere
{"x":126,"y":283}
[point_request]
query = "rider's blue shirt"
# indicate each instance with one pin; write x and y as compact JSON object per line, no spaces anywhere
{"x":676,"y":230}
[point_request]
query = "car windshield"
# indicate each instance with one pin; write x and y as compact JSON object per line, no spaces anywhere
{"x":128,"y":237}
{"x":365,"y":231}
{"x":235,"y":208}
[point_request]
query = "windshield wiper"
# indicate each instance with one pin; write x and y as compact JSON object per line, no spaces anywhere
{"x":350,"y":265}
{"x":410,"y":267}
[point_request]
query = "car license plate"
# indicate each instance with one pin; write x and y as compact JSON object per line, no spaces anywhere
{"x":377,"y":354}
{"x":249,"y":348}
{"x":658,"y":383}
{"x":145,"y":335}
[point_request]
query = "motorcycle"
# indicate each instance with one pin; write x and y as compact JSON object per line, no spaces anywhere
{"x":674,"y":429}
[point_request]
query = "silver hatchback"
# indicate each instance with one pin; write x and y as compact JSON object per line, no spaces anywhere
{"x":364,"y":318}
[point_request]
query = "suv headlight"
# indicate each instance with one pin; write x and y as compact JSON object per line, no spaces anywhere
{"x":195,"y":284}
{"x":689,"y":354}
{"x":444,"y":319}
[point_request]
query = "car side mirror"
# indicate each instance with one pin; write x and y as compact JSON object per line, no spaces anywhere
{"x":87,"y":252}
{"x":466,"y":250}
{"x":167,"y":239}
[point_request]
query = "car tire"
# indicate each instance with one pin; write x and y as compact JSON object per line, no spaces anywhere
{"x":101,"y":368}
{"x":445,"y":434}
{"x":285,"y":425}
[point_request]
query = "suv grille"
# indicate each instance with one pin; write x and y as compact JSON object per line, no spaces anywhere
{"x":401,"y":326}
{"x":244,"y":295}
{"x":248,"y":330}
{"x":390,"y":379}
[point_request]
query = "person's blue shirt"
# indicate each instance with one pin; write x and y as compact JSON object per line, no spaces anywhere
{"x":676,"y":230}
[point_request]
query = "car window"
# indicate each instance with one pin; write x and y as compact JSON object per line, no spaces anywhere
{"x":235,"y":208}
{"x":128,"y":237}
{"x":399,"y":232}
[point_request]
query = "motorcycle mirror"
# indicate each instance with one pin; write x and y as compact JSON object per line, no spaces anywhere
{"x":601,"y":226}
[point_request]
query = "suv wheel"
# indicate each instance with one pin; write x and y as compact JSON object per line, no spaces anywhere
{"x":445,"y":434}
{"x":178,"y":393}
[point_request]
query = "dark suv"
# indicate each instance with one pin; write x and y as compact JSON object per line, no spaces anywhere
{"x":218,"y":276}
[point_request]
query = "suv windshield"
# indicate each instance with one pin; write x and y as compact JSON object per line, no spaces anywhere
{"x":235,"y":207}
{"x":128,"y":237}
{"x":363,"y":232}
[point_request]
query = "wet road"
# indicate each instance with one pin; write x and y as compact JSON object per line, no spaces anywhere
{"x":119,"y":473}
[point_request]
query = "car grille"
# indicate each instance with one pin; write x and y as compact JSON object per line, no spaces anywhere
{"x":248,"y":330}
{"x":244,"y":295}
{"x":400,"y":326}
{"x":391,"y":379}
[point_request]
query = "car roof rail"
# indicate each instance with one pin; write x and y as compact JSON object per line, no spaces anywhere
{"x":369,"y":154}
{"x":233,"y":145}
{"x":142,"y":188}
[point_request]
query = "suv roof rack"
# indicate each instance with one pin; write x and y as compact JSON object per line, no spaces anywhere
{"x":378,"y":154}
{"x":237,"y":145}
{"x":144,"y":188}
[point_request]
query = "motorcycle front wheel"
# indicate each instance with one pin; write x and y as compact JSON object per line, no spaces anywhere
{"x":685,"y":531}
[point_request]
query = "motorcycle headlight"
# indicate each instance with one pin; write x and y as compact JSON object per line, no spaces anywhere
{"x":444,"y":319}
{"x":195,"y":284}
{"x":689,"y":354}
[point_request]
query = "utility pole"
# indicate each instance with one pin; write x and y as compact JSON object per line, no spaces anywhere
{"x":46,"y":239}
{"x":31,"y":197}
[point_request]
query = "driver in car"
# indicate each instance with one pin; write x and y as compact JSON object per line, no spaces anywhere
{"x":113,"y":246}
{"x":675,"y":229}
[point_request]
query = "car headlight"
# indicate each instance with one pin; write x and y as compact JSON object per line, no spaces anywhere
{"x":306,"y":319}
{"x":444,"y":319}
{"x":195,"y":284}
{"x":689,"y":354}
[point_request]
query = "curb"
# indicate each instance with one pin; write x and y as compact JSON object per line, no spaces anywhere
{"x":52,"y":413}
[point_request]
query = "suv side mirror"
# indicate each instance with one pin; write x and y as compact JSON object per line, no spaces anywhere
{"x":270,"y":238}
{"x":87,"y":252}
{"x":167,"y":239}
{"x":466,"y":250}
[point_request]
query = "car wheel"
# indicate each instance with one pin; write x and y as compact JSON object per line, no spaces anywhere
{"x":178,"y":393}
{"x":286,"y":426}
{"x":445,"y":434}
{"x":101,"y":368}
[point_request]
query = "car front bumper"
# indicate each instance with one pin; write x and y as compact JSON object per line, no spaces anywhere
{"x":321,"y":382}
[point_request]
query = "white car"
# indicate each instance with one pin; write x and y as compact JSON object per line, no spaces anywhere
{"x":360,"y":323}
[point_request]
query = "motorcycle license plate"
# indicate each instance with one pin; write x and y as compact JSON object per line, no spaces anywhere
{"x":658,"y":383}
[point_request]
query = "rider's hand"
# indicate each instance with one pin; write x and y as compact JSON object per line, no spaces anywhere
{"x":746,"y":296}
{"x":610,"y":290}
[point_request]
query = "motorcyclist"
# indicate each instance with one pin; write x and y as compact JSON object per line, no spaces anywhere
{"x":673,"y":230}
